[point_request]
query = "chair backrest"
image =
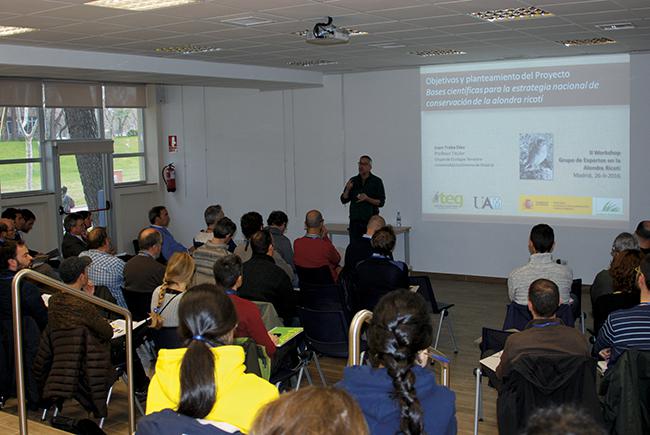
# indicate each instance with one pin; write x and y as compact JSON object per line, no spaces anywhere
{"x":323,"y":297}
{"x":425,"y":289}
{"x":493,"y":340}
{"x":166,"y":338}
{"x":606,"y":304}
{"x":325,"y":331}
{"x":541,"y":380}
{"x":576,"y":293}
{"x":308,"y":276}
{"x":518,"y":316}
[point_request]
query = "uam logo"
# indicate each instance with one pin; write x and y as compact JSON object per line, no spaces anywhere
{"x":491,"y":202}
{"x":447,"y":200}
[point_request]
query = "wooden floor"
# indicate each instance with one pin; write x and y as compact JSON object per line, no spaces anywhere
{"x":476,"y":305}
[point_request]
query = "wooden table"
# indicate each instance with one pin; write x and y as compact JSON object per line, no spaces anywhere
{"x":342,"y":229}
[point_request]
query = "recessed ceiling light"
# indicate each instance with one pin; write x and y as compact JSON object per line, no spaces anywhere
{"x":310,"y":63}
{"x":616,"y":26}
{"x":387,"y":45}
{"x":9,"y":30}
{"x":582,"y":42}
{"x":247,"y":21}
{"x":139,"y":5}
{"x":443,"y":52}
{"x":512,"y":14}
{"x":187,"y":49}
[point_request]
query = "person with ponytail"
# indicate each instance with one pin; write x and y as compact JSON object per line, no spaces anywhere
{"x":206,"y":380}
{"x":166,"y":297}
{"x":396,"y":393}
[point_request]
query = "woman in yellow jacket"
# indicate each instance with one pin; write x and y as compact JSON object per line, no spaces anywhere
{"x":206,"y":380}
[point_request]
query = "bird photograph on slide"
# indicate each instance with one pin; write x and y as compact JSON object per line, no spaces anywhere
{"x":535,"y":156}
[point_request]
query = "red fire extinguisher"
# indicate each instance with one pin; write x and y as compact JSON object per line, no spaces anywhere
{"x":169,"y":177}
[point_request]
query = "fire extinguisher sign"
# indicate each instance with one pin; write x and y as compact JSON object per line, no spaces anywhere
{"x":173,"y":143}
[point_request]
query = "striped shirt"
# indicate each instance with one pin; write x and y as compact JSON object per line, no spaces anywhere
{"x":539,"y":266}
{"x":107,"y":270}
{"x":625,"y":329}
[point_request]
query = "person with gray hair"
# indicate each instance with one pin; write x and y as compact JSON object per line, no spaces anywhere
{"x":212,"y":215}
{"x":603,"y":284}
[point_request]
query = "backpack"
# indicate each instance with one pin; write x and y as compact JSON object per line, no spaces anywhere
{"x":256,"y":359}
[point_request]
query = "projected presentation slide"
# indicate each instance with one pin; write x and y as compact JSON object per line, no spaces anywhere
{"x":537,"y":138}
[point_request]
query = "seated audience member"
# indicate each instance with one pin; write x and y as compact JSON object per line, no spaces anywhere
{"x":159,"y":219}
{"x":643,"y":234}
{"x":106,"y":269}
{"x":265,"y":281}
{"x":629,"y":328}
{"x":73,"y":241}
{"x":277,"y":225}
{"x":7,"y":231}
{"x":29,"y":218}
{"x":143,"y":273}
{"x":315,"y":249}
{"x":602,"y":284}
{"x":562,"y":420}
{"x":88,"y":220}
{"x":360,"y":249}
{"x":75,"y":349}
{"x":379,"y":274}
{"x":213,"y":249}
{"x":187,"y":380}
{"x":228,"y":277}
{"x":251,"y":223}
{"x":212,"y":215}
{"x":540,"y":265}
{"x":15,"y":215}
{"x":311,"y":410}
{"x":396,"y":393}
{"x":625,"y":293}
{"x":545,"y":334}
{"x":69,"y":312}
{"x":166,"y":298}
{"x":14,"y":256}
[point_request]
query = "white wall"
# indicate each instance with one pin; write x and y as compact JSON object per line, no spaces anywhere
{"x":294,"y":150}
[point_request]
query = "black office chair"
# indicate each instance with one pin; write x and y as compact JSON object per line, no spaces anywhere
{"x":441,"y":308}
{"x":326,"y":331}
{"x":314,"y":276}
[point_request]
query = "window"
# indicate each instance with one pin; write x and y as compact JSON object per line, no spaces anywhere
{"x":20,"y":149}
{"x":125,"y":127}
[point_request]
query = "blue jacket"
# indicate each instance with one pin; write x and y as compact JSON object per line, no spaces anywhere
{"x":169,"y":244}
{"x":168,"y":422}
{"x":372,"y":388}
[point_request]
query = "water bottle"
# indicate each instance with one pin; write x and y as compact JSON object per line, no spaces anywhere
{"x":398,"y":220}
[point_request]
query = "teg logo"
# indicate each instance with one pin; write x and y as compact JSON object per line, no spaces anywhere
{"x":447,"y":200}
{"x":491,"y":202}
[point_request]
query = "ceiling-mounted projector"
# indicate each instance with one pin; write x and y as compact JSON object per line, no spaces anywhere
{"x":328,"y":34}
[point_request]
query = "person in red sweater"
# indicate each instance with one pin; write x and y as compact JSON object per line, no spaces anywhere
{"x":228,"y":277}
{"x":315,"y":249}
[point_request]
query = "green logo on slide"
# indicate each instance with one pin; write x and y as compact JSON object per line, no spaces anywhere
{"x":447,"y":200}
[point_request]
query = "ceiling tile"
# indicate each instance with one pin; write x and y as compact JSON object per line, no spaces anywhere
{"x":144,"y":34}
{"x":193,"y":26}
{"x":91,"y":28}
{"x":82,"y":12}
{"x":199,"y":10}
{"x":34,"y":21}
{"x":412,"y":12}
{"x":142,"y":19}
{"x":312,"y":10}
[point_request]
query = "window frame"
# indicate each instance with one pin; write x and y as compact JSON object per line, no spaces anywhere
{"x":142,"y":154}
{"x":40,"y":160}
